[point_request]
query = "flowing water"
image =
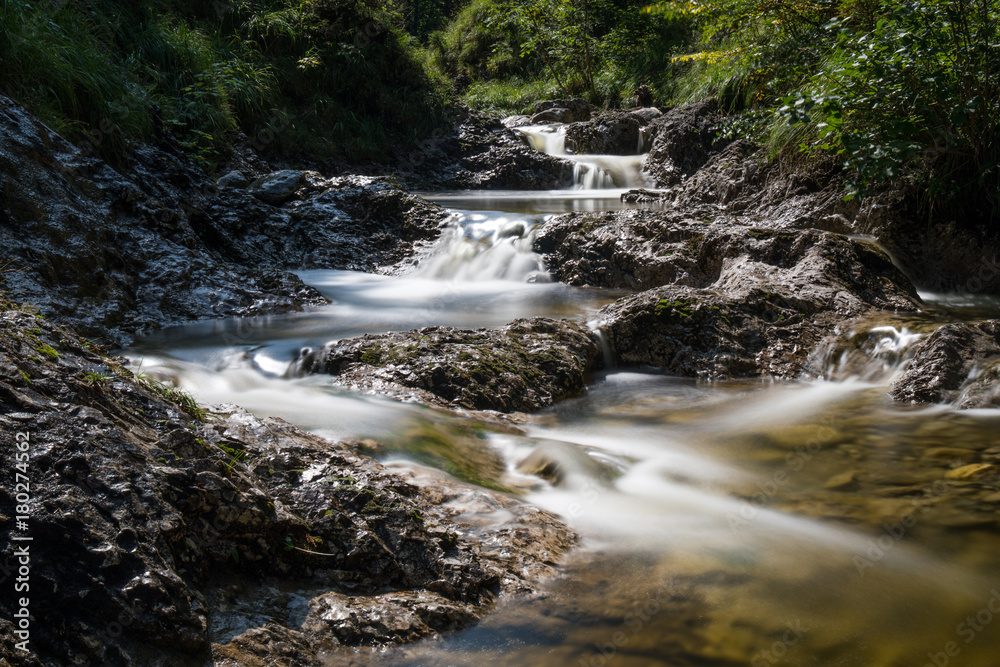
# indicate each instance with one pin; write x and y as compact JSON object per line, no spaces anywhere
{"x":734,"y":523}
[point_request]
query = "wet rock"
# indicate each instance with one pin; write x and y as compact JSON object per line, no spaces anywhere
{"x":569,"y":111}
{"x":116,"y":252}
{"x":638,"y":250}
{"x":971,"y":472}
{"x":553,"y":115}
{"x":647,"y":114}
{"x":612,"y":133}
{"x":277,"y":187}
{"x":683,"y":140}
{"x":182,"y":529}
{"x":234,"y":179}
{"x":958,"y":363}
{"x":516,"y":121}
{"x":942,"y":255}
{"x":732,"y":301}
{"x":524,"y":366}
{"x":482,"y":153}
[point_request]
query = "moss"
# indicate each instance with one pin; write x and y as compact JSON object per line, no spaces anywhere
{"x":47,"y":350}
{"x":673,"y":310}
{"x":693,"y":245}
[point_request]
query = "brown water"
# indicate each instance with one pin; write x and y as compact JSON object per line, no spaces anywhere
{"x":811,"y":523}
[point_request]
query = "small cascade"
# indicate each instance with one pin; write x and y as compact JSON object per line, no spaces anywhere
{"x":549,"y":139}
{"x":481,"y":246}
{"x":606,"y":353}
{"x":876,"y":354}
{"x":590,"y":172}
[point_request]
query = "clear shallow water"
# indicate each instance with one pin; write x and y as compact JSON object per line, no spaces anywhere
{"x":722,"y":524}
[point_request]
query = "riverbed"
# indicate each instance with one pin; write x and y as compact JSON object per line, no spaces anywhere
{"x":727,"y":523}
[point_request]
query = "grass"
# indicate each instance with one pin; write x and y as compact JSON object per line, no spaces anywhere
{"x":509,"y":97}
{"x":168,"y":392}
{"x":322,"y":78}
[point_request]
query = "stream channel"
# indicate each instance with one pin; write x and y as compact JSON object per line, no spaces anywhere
{"x":728,"y":523}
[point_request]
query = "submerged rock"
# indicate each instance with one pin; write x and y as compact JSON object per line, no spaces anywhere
{"x":191,"y":540}
{"x":958,"y":363}
{"x":524,"y":366}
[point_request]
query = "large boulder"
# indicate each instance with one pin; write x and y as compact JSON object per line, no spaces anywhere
{"x":684,"y":139}
{"x":612,"y":133}
{"x":722,"y":299}
{"x":958,"y":363}
{"x":524,"y":366}
{"x":560,"y":111}
{"x":277,"y":187}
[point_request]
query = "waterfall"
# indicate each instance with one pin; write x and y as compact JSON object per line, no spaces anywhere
{"x":480,"y":246}
{"x":590,"y":171}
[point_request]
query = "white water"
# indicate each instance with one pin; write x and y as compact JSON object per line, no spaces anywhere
{"x":590,"y":172}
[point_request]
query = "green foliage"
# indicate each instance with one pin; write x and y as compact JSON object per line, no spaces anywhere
{"x":915,"y":98}
{"x":323,"y":77}
{"x":168,"y":392}
{"x":509,"y":96}
{"x":505,"y":51}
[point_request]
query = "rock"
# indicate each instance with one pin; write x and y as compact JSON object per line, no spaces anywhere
{"x":234,"y":179}
{"x":684,"y":138}
{"x":553,"y":115}
{"x":113,"y":253}
{"x":971,"y":471}
{"x":842,"y":481}
{"x":638,"y":250}
{"x":575,"y":110}
{"x":647,"y":114}
{"x":733,"y":301}
{"x":958,"y":363}
{"x":277,"y":187}
{"x":184,"y":529}
{"x":482,"y":153}
{"x":516,"y":121}
{"x":524,"y":366}
{"x":613,"y":133}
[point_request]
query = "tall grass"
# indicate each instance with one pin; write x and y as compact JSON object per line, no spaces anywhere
{"x":344,"y":77}
{"x":510,"y":96}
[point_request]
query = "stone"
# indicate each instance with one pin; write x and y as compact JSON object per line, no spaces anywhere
{"x":958,"y":363}
{"x":524,"y":366}
{"x":971,"y":471}
{"x":186,"y":551}
{"x":612,"y":133}
{"x":277,"y":187}
{"x":234,"y":179}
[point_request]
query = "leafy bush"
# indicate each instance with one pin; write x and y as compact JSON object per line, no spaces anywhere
{"x":914,"y":98}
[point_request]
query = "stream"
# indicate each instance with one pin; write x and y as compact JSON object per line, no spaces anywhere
{"x":729,"y":523}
